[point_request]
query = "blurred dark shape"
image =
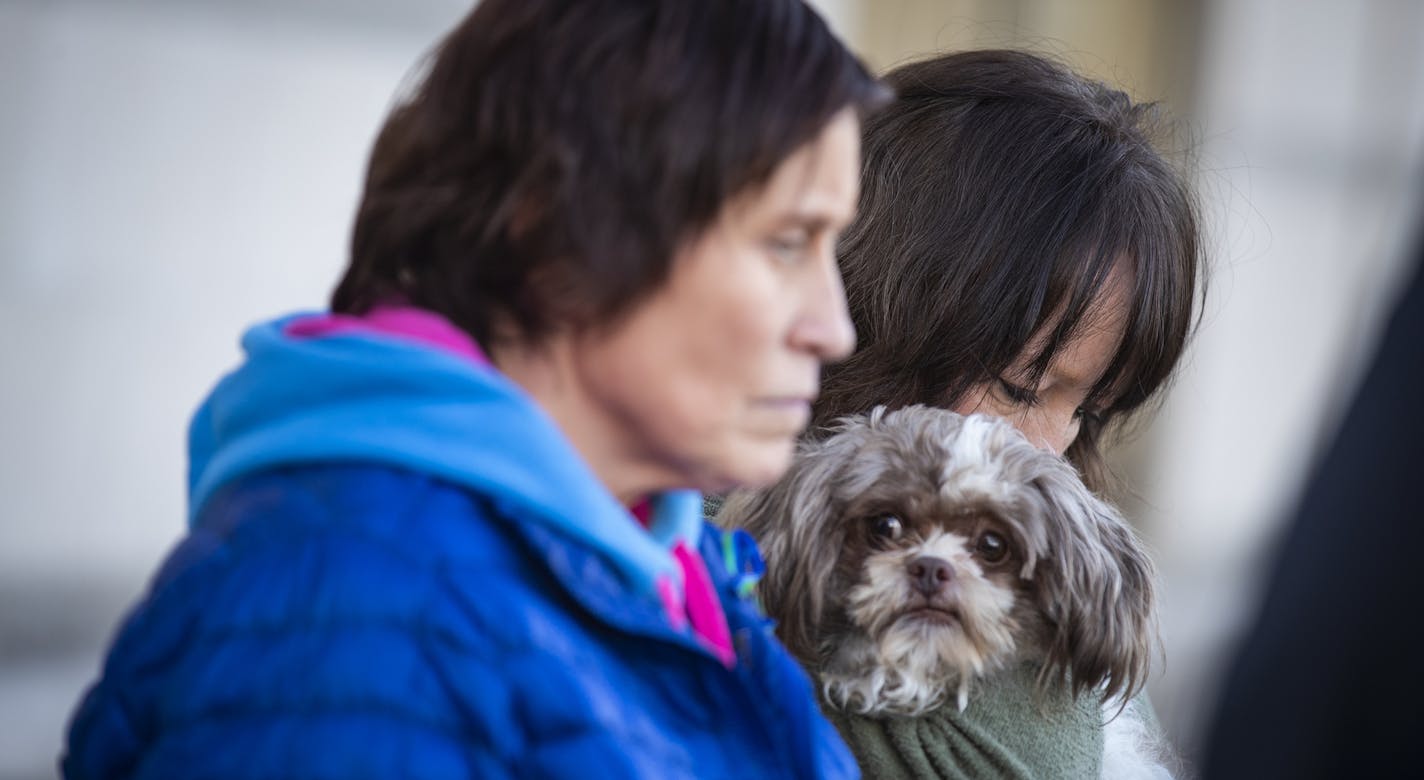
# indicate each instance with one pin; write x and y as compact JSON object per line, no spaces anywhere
{"x":1327,"y":682}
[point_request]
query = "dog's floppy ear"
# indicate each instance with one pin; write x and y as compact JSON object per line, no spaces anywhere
{"x":795,"y":522}
{"x":1096,"y":588}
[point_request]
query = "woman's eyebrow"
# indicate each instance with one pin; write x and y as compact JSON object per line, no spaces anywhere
{"x":812,"y":221}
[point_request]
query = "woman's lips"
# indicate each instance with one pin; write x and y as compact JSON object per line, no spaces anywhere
{"x":797,"y":409}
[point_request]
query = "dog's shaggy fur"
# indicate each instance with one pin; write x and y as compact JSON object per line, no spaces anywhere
{"x":913,"y":552}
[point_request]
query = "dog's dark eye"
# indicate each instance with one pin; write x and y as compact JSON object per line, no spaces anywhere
{"x":887,"y":527}
{"x":991,"y":548}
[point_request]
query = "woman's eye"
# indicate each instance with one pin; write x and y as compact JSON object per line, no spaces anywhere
{"x":1017,"y":394}
{"x":991,"y":548}
{"x":887,"y":527}
{"x":789,"y":246}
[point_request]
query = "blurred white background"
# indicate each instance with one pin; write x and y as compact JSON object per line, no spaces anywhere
{"x":171,"y":171}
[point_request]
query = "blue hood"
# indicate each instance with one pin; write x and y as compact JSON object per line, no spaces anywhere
{"x":389,"y":399}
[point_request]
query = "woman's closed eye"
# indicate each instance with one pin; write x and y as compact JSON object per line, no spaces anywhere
{"x":1018,"y":395}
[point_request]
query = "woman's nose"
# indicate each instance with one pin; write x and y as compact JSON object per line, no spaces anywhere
{"x":824,"y":327}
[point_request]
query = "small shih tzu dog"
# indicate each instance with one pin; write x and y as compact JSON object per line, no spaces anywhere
{"x":915,"y":552}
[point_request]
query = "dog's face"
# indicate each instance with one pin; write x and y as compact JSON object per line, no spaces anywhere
{"x":928,"y":588}
{"x":912,"y":552}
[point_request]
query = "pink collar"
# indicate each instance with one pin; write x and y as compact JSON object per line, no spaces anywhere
{"x":409,"y":322}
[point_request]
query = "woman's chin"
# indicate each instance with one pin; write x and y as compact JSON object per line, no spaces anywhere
{"x":751,"y":465}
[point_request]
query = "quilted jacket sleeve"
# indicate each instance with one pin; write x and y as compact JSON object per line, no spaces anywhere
{"x":286,"y":651}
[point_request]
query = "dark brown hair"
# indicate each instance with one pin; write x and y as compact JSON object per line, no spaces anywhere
{"x":543,"y":173}
{"x":999,"y":189}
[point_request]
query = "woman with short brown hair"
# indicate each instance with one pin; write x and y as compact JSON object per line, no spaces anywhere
{"x":450,"y":528}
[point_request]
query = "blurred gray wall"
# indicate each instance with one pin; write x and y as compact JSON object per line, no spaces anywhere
{"x":1310,"y":117}
{"x":172,"y":171}
{"x":169,"y":173}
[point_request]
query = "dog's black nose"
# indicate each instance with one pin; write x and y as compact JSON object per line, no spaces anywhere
{"x":930,"y":574}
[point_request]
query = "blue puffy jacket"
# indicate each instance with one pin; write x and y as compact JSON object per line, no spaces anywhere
{"x":399,"y":568}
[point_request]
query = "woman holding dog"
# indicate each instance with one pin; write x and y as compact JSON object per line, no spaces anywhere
{"x":592,"y":269}
{"x":1022,"y":249}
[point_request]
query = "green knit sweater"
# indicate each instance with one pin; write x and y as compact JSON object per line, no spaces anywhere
{"x":1005,"y":732}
